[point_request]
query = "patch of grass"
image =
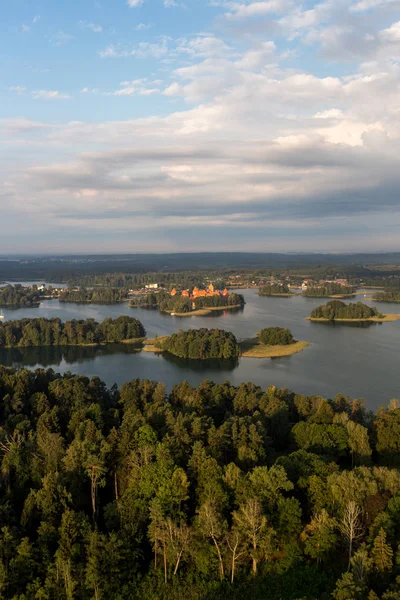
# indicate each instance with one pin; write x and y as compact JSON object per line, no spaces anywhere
{"x":252,"y":348}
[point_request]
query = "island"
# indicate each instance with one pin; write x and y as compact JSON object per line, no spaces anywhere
{"x":357,"y":312}
{"x":387,"y":296}
{"x":54,"y":332}
{"x":280,"y":290}
{"x":329,"y":290}
{"x":187,"y":303}
{"x":94,"y":296}
{"x":202,"y":344}
{"x":272,"y":342}
{"x":199,"y":344}
{"x":17,"y":296}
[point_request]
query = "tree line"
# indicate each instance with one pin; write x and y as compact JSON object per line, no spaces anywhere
{"x":180,"y":304}
{"x":339,"y":310}
{"x":276,"y":336}
{"x":94,"y":296}
{"x":54,"y":332}
{"x":328,"y":289}
{"x":17,"y":296}
{"x":202,"y":344}
{"x":274,"y":290}
{"x":388,"y":296}
{"x":207,"y":492}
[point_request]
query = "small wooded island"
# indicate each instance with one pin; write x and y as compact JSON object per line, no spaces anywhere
{"x":387,"y":296}
{"x":329,"y":290}
{"x":53,"y":332}
{"x":94,"y":296}
{"x":200,"y":344}
{"x":275,"y":289}
{"x":16,"y":296}
{"x":272,"y":342}
{"x":336,"y":310}
{"x":203,"y":344}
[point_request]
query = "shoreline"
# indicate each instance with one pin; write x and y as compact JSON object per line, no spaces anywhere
{"x":201,"y":312}
{"x":129,"y":341}
{"x":278,"y":295}
{"x":257,"y":350}
{"x":248,"y":348}
{"x":389,"y":318}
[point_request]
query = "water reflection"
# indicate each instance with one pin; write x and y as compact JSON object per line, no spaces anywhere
{"x":55,"y":355}
{"x":356,"y":324}
{"x":211,"y":365}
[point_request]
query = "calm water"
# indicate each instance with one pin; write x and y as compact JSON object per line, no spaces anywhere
{"x":362,"y":362}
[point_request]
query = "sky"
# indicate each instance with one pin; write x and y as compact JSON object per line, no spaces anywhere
{"x":199,"y":125}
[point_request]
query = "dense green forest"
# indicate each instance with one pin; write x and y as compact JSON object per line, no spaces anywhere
{"x":388,"y":296}
{"x":339,"y":310}
{"x":274,"y":290}
{"x":182,"y":280}
{"x":179,"y":304}
{"x":328,"y":289}
{"x":210,"y":492}
{"x":276,"y":336}
{"x":202,"y":344}
{"x":94,"y":296}
{"x":16,"y":296}
{"x":53,"y":332}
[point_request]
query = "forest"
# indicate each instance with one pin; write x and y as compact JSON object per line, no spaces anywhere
{"x":388,"y":296}
{"x":339,"y":310}
{"x":328,"y":289}
{"x":53,"y":332}
{"x":94,"y":296}
{"x":201,"y":344}
{"x":274,"y":290}
{"x":205,"y":493}
{"x":179,"y":304}
{"x":16,"y":296}
{"x":276,"y":336}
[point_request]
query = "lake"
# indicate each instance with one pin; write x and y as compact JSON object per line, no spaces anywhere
{"x":359,"y":361}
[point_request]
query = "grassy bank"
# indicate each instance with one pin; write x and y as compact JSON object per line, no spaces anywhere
{"x":152,"y":345}
{"x":254,"y":349}
{"x":391,"y":318}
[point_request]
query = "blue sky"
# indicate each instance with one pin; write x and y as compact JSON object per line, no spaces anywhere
{"x":160,"y":125}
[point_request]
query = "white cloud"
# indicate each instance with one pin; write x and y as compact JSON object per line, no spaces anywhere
{"x":18,"y":89}
{"x":257,"y":9}
{"x":25,"y":28}
{"x":364,"y":5}
{"x":60,"y":38}
{"x":92,"y":26}
{"x":142,"y":26}
{"x":49,"y":95}
{"x":135,"y":3}
{"x":332,"y":113}
{"x":36,"y":19}
{"x":142,"y":50}
{"x":392,"y":34}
